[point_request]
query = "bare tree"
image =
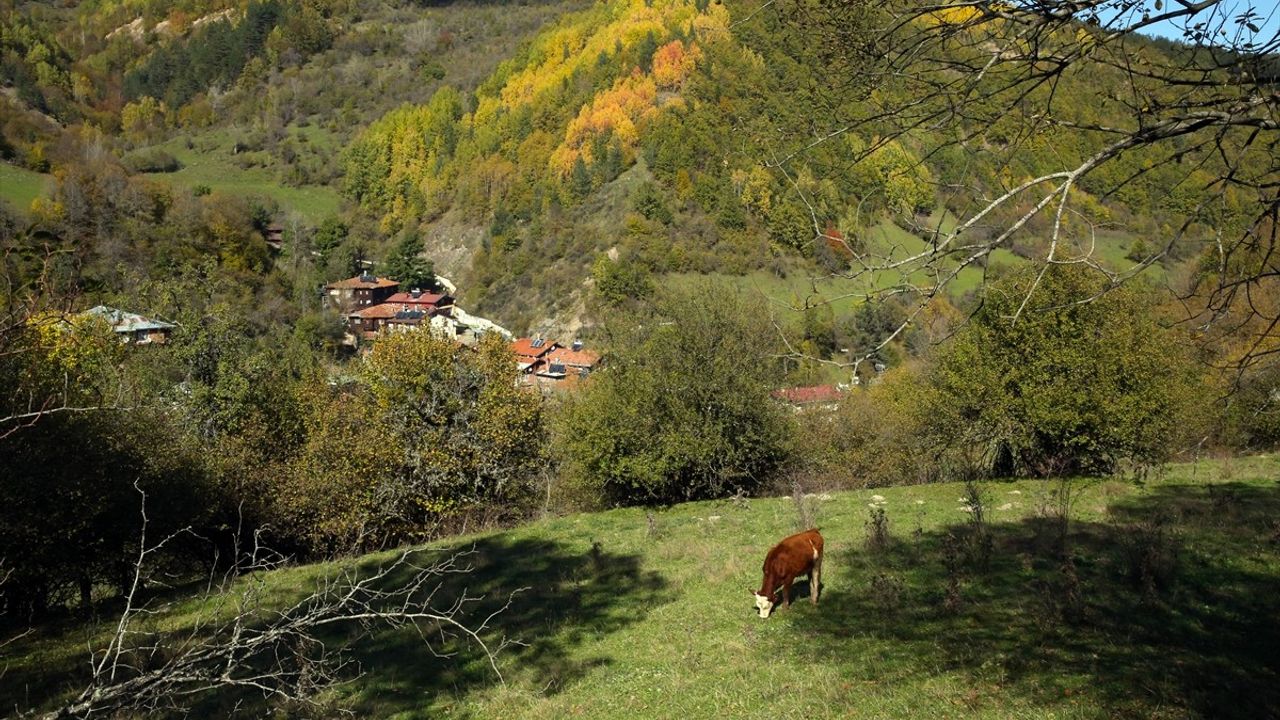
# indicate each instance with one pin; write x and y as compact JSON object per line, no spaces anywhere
{"x":241,"y":643}
{"x":987,"y":78}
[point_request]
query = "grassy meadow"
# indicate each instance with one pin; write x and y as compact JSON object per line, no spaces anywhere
{"x":208,"y":159}
{"x":19,"y":186}
{"x":1161,"y":603}
{"x":887,"y":242}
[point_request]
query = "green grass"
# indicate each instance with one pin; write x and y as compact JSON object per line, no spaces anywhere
{"x":210,"y":161}
{"x":19,"y":186}
{"x":890,"y":242}
{"x":619,"y":624}
{"x":786,"y":294}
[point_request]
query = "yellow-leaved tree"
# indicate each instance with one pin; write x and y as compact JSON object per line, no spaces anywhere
{"x":430,"y":431}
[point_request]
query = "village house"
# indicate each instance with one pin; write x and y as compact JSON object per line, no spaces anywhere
{"x":274,"y":236}
{"x":133,"y":328}
{"x":573,"y":360}
{"x":549,"y":364}
{"x":420,"y":300}
{"x":814,"y":397}
{"x":361,"y":291}
{"x":531,"y":352}
{"x":401,"y":311}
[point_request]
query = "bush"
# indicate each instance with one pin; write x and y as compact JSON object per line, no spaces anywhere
{"x":431,"y":430}
{"x":682,"y":409}
{"x":152,"y":160}
{"x":1077,"y":385}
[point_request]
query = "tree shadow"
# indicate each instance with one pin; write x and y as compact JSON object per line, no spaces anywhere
{"x":565,"y":598}
{"x":1169,"y":608}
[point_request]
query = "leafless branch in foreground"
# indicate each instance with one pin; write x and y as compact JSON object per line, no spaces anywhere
{"x":1207,"y":110}
{"x":242,"y":643}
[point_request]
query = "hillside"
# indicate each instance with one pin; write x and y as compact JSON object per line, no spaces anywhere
{"x":1159,"y":613}
{"x":693,"y":100}
{"x":543,"y":150}
{"x":254,"y":98}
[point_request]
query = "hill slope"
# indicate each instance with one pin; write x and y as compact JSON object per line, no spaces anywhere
{"x":701,"y":99}
{"x":1168,"y":609}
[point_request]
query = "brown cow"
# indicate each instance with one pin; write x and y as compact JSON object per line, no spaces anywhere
{"x":799,"y":554}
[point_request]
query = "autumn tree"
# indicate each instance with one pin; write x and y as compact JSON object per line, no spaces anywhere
{"x":465,"y":434}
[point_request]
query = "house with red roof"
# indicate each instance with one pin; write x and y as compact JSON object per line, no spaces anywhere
{"x":420,"y":300}
{"x":549,"y":364}
{"x":825,"y":397}
{"x":531,"y":352}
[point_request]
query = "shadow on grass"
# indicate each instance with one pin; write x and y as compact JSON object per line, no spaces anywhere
{"x":1174,"y":609}
{"x":570,"y":598}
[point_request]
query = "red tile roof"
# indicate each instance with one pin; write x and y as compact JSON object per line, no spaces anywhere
{"x":357,"y":282}
{"x":382,"y":311}
{"x":432,"y":299}
{"x":808,"y":395}
{"x":523,"y":347}
{"x":574,"y":358}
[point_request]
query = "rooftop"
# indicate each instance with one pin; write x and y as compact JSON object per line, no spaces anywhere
{"x":808,"y":395}
{"x":122,"y":321}
{"x":363,"y":281}
{"x":574,"y":358}
{"x":533,"y":347}
{"x":424,"y":298}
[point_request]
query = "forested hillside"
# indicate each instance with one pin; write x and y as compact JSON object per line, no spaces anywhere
{"x":259,"y":260}
{"x":554,"y":167}
{"x":655,"y":132}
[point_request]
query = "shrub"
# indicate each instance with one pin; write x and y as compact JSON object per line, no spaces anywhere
{"x":432,"y":430}
{"x":1080,"y":382}
{"x":682,"y":409}
{"x":152,"y":160}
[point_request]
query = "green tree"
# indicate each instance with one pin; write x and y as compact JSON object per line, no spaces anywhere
{"x":649,"y":202}
{"x":1077,"y":384}
{"x":791,"y":225}
{"x":406,"y":264}
{"x":617,"y":281}
{"x":580,"y":180}
{"x":819,"y":327}
{"x":682,"y":408}
{"x":331,"y":234}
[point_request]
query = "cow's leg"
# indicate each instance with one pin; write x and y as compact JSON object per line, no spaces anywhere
{"x":815,"y":581}
{"x":786,"y":592}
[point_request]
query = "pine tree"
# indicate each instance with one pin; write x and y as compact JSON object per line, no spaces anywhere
{"x":580,"y":180}
{"x":406,"y":264}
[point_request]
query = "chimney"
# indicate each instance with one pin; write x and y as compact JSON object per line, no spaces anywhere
{"x":416,"y":293}
{"x":577,"y":345}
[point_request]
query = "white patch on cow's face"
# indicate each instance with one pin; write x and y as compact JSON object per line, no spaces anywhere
{"x":763,"y":605}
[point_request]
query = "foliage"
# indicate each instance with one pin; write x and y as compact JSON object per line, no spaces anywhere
{"x":617,"y":281}
{"x":406,"y":264}
{"x":467,"y":434}
{"x":217,"y":52}
{"x":152,"y":161}
{"x":71,"y":520}
{"x":1076,"y":384}
{"x":682,"y":409}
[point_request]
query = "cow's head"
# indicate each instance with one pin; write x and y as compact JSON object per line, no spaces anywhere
{"x":764,"y":605}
